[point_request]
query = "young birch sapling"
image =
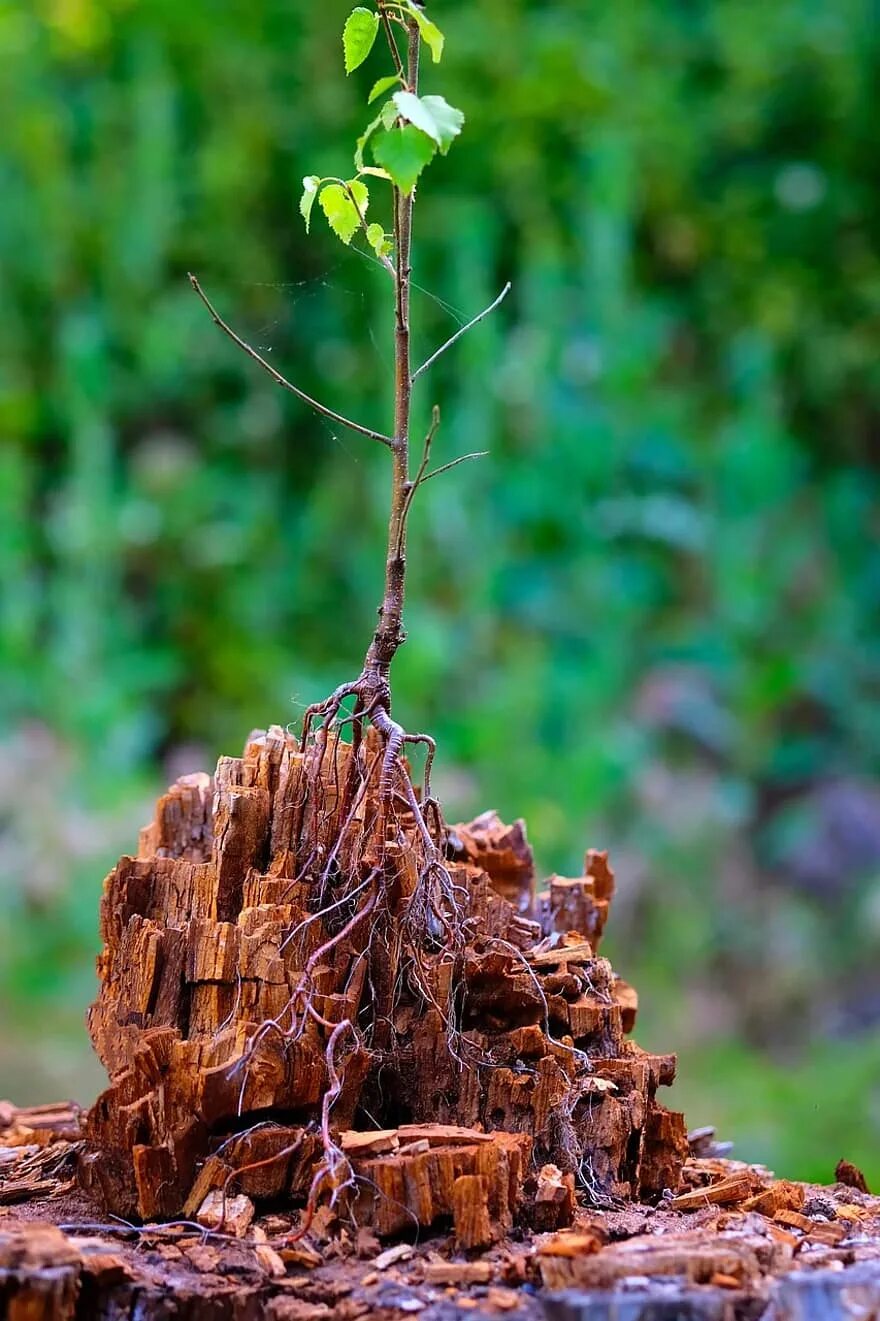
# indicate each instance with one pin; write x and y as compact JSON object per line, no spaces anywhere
{"x":405,"y":134}
{"x":402,"y":139}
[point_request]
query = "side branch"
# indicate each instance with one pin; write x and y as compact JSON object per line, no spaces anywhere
{"x":282,"y":380}
{"x":453,"y":463}
{"x":392,"y":44}
{"x":461,"y":331}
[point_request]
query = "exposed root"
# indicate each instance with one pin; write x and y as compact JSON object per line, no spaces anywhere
{"x":348,"y":870}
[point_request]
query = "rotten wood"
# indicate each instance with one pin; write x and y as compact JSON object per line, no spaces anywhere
{"x":260,"y":924}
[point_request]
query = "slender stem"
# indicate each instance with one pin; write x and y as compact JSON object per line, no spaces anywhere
{"x":395,"y":53}
{"x":282,"y":380}
{"x":389,"y":632}
{"x":453,"y":463}
{"x":461,"y":331}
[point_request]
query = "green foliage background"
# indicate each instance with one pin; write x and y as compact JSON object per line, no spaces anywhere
{"x":646,"y":621}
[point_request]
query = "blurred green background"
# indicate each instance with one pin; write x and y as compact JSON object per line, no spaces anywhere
{"x":648,"y":621}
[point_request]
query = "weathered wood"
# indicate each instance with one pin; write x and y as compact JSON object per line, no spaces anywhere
{"x":232,"y":947}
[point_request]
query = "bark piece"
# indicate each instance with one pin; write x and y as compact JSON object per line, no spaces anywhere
{"x":231,"y":1215}
{"x":553,"y":1206}
{"x":782,"y":1195}
{"x":851,"y":1176}
{"x":723,"y":1193}
{"x":470,"y":1212}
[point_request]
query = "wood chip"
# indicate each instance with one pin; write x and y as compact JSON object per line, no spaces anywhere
{"x":794,"y":1220}
{"x":782,"y":1195}
{"x":442,"y":1135}
{"x":229,"y":1215}
{"x":462,"y":1273}
{"x":724,"y":1193}
{"x":355,"y":1143}
{"x":301,"y":1254}
{"x":270,"y":1260}
{"x":399,"y":1252}
{"x":571,"y":1245}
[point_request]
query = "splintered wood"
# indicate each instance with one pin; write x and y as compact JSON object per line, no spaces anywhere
{"x":279,"y":981}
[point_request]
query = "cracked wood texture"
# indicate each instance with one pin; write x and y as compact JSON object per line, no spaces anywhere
{"x":235,"y":902}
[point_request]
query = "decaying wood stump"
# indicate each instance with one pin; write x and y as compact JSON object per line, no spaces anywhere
{"x":274,"y":975}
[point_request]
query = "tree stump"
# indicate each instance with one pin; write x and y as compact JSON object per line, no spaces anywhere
{"x":273,"y":976}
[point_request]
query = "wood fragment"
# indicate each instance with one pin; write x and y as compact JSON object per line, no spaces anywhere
{"x":230,"y":1215}
{"x":851,"y":1176}
{"x":723,"y":1193}
{"x":782,"y":1195}
{"x":554,"y":1200}
{"x":399,"y":1252}
{"x":470,"y":1212}
{"x":461,"y":1273}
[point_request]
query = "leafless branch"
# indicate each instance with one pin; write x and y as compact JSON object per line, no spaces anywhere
{"x":282,"y":380}
{"x":453,"y":463}
{"x":416,"y":482}
{"x":461,"y":331}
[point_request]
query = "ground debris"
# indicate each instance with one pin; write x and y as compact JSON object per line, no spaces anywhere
{"x":724,"y":1257}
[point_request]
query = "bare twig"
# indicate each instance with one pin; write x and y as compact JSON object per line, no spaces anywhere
{"x":282,"y":380}
{"x":414,"y":485}
{"x":453,"y":463}
{"x":461,"y":331}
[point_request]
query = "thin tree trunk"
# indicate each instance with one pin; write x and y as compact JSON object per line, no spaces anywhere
{"x":389,"y":632}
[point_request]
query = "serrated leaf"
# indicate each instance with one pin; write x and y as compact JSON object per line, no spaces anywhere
{"x":430,"y":33}
{"x":342,"y":214}
{"x":358,"y":36}
{"x":311,"y":184}
{"x":385,"y":118}
{"x":432,"y":114}
{"x":404,"y":153}
{"x":410,"y":107}
{"x":382,"y":86}
{"x":448,"y":120}
{"x":376,"y":239}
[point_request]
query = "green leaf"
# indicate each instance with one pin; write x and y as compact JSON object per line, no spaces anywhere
{"x":358,"y":36}
{"x":430,"y":33}
{"x":385,"y":118}
{"x":432,"y":114}
{"x":382,"y":86}
{"x":404,"y":153}
{"x":341,"y":213}
{"x":447,"y":119}
{"x":377,"y":240}
{"x":409,"y":106}
{"x":311,"y":184}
